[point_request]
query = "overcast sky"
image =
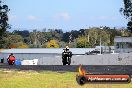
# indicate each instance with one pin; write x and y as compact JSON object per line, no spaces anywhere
{"x":65,"y":14}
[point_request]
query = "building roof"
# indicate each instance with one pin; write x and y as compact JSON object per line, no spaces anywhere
{"x":123,"y":39}
{"x":47,"y":50}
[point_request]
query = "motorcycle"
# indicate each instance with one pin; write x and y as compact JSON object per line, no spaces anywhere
{"x":11,"y":62}
{"x":66,"y":57}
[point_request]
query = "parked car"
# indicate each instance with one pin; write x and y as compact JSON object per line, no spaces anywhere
{"x":94,"y":52}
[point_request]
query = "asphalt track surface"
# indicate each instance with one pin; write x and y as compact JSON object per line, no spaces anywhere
{"x":93,"y":69}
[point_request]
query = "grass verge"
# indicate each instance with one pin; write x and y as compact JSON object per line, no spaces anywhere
{"x":47,"y":79}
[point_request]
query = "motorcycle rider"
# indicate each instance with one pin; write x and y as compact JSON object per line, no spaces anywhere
{"x":66,"y":56}
{"x":11,"y":59}
{"x":66,"y":49}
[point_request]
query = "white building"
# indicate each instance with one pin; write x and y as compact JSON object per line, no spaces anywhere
{"x":53,"y":56}
{"x":43,"y":54}
{"x":123,"y":44}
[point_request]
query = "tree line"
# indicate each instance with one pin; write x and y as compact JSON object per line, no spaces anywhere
{"x":56,"y":38}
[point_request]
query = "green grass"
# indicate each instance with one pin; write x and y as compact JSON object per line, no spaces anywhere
{"x":46,"y":79}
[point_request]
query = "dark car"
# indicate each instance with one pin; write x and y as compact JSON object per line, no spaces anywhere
{"x":94,"y":52}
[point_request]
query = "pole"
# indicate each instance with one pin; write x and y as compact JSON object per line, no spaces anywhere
{"x":100,"y":45}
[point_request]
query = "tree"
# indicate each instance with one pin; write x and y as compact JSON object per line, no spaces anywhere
{"x":125,"y":33}
{"x":34,"y":38}
{"x":3,"y":18}
{"x":56,"y":34}
{"x":3,"y":22}
{"x":18,"y":45}
{"x":65,"y":37}
{"x":127,"y":12}
{"x":22,"y":45}
{"x":39,"y":39}
{"x":93,"y":36}
{"x":112,"y":33}
{"x":82,"y":42}
{"x":13,"y":45}
{"x":52,"y":44}
{"x":105,"y":37}
{"x":75,"y":34}
{"x":62,"y":44}
{"x":24,"y":33}
{"x":12,"y":40}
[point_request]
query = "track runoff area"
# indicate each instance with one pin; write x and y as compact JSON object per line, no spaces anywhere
{"x":85,"y":73}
